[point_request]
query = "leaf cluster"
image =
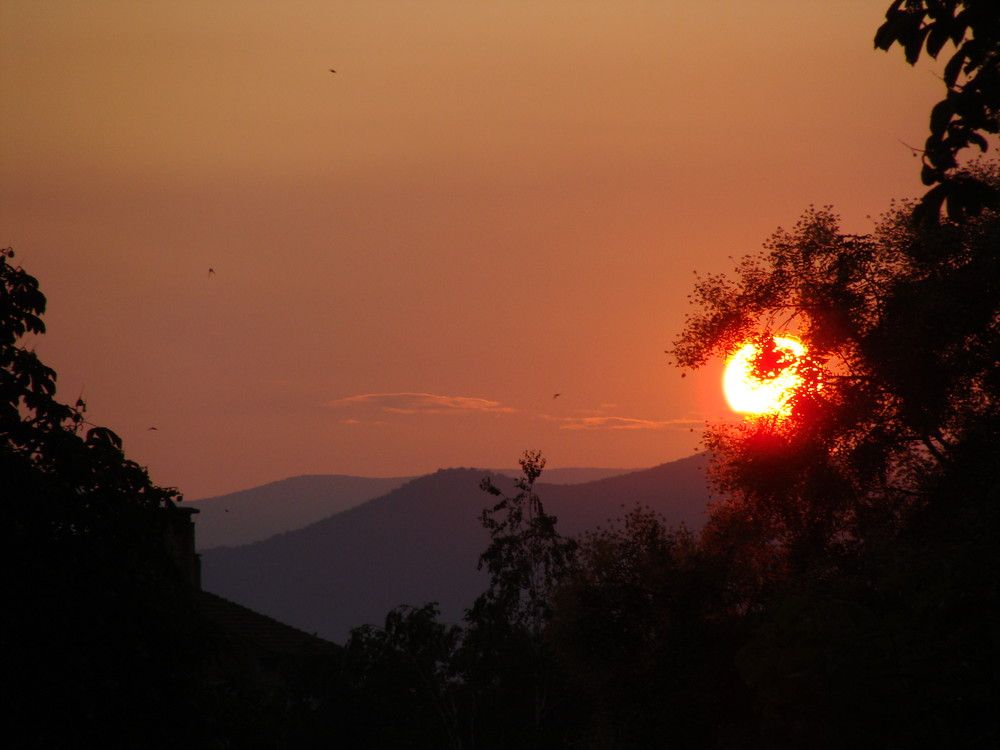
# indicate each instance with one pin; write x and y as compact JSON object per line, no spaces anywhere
{"x":47,"y":440}
{"x":970,"y":110}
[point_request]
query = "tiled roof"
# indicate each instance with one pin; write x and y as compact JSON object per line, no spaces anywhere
{"x":264,"y":634}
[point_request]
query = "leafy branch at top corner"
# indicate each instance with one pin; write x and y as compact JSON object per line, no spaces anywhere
{"x":970,"y":110}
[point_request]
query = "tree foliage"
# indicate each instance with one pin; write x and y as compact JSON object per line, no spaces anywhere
{"x":970,"y":111}
{"x":49,"y":450}
{"x":901,"y":332}
{"x":402,"y":686}
{"x":644,"y":629}
{"x":526,"y":556}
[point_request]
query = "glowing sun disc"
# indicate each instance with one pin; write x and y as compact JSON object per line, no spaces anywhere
{"x":752,"y":395}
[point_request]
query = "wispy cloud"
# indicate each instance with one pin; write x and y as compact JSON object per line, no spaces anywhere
{"x":422,"y":403}
{"x":621,"y":423}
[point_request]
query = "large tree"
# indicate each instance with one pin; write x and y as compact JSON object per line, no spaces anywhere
{"x":902,"y":332}
{"x":859,"y":529}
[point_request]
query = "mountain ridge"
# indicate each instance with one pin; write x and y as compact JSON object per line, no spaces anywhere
{"x":254,"y":514}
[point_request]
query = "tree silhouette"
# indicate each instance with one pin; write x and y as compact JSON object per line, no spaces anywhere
{"x":506,"y":659}
{"x":900,"y":328}
{"x":526,"y":555}
{"x":403,"y":687}
{"x":645,"y":628}
{"x":859,"y":530}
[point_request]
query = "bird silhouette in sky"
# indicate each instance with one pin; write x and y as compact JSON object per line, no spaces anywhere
{"x":332,"y":70}
{"x":211,"y":272}
{"x":151,"y":428}
{"x":557,"y":395}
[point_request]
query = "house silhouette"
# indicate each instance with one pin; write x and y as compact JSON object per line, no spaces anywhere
{"x":259,"y":642}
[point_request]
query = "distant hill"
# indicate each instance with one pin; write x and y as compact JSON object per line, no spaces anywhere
{"x":255,"y":514}
{"x":570,"y":476}
{"x":261,"y":512}
{"x":419,"y":543}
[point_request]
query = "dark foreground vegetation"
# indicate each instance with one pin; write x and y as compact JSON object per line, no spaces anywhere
{"x":842,"y":595}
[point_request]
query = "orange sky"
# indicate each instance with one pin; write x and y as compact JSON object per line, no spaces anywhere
{"x":489,"y":203}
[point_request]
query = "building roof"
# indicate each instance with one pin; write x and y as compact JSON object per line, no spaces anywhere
{"x":263,"y":634}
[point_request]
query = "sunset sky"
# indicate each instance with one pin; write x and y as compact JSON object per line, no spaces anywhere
{"x":487,"y":204}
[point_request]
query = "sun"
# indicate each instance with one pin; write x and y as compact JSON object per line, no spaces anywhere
{"x":749,"y":394}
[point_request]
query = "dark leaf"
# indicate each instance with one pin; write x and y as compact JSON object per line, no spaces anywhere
{"x":888,"y":32}
{"x":959,"y":26}
{"x":913,"y":41}
{"x":977,"y":140}
{"x":936,"y":37}
{"x":941,"y":115}
{"x":927,"y":212}
{"x":952,"y":68}
{"x":103,"y":437}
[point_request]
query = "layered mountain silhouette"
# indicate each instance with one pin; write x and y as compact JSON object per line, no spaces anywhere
{"x":258,"y":513}
{"x":255,"y":514}
{"x":421,"y":542}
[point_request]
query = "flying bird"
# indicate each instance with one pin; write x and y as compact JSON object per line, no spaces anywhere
{"x":557,"y":395}
{"x":332,"y":70}
{"x":150,"y":428}
{"x":211,"y":272}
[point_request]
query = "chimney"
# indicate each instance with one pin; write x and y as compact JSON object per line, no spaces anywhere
{"x":180,"y":543}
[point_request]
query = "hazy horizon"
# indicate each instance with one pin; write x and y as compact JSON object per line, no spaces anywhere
{"x":513,"y":471}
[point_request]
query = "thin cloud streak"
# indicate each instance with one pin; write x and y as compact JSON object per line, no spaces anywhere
{"x":423,"y":403}
{"x":620,"y":423}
